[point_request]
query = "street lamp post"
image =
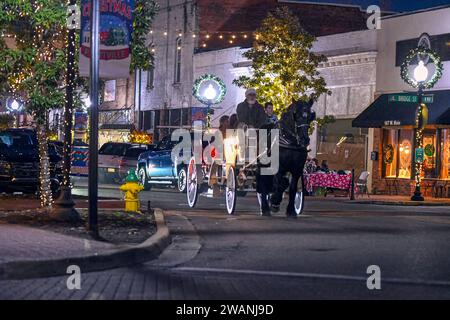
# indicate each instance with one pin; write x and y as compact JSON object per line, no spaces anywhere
{"x":420,"y":80}
{"x":420,"y":75}
{"x":15,"y":107}
{"x":209,"y":94}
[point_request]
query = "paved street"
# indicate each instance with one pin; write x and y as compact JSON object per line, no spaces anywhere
{"x":322,"y":255}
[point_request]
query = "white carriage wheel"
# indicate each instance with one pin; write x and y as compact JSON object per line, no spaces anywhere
{"x":299,"y":197}
{"x":230,"y":191}
{"x":192,"y":183}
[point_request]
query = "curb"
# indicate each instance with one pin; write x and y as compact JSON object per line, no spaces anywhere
{"x":146,"y":251}
{"x":402,"y":203}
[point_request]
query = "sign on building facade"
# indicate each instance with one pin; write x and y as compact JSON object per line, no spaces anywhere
{"x":116,"y":25}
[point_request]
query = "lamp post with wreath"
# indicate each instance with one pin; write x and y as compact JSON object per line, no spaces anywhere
{"x":421,"y":80}
{"x":15,"y":106}
{"x":209,"y":90}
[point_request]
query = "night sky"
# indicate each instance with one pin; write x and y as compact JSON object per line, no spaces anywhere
{"x":391,"y":5}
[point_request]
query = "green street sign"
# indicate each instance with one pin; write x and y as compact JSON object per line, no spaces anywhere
{"x":409,"y":98}
{"x":420,"y":156}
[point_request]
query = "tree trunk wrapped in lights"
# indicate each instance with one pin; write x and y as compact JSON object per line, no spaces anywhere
{"x":45,"y":191}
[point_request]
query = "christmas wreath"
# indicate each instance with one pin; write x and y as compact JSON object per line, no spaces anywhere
{"x":410,"y":57}
{"x":389,"y":154}
{"x":429,"y":150}
{"x":211,"y":78}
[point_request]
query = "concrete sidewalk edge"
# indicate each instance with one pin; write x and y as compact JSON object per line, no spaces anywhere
{"x":401,"y":203}
{"x":146,"y":251}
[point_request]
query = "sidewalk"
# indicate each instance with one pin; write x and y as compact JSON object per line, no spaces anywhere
{"x":29,"y":244}
{"x":27,"y":252}
{"x":400,"y":201}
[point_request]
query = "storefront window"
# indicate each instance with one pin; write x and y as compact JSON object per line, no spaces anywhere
{"x":445,"y":147}
{"x":405,"y":154}
{"x":390,"y":145}
{"x":429,"y":164}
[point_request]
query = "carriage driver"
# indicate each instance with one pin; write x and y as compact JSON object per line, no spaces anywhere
{"x":250,"y":112}
{"x":252,"y":115}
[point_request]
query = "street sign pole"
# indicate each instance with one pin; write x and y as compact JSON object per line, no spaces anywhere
{"x":93,"y":136}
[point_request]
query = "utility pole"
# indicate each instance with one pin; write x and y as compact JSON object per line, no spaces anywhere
{"x":93,"y":137}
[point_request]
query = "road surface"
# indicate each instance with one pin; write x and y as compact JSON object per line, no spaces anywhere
{"x":324,"y":254}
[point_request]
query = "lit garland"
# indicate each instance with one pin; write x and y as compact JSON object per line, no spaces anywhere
{"x":216,"y":80}
{"x":226,"y":37}
{"x":419,"y":144}
{"x":405,"y":74}
{"x":44,"y":172}
{"x":140,"y":137}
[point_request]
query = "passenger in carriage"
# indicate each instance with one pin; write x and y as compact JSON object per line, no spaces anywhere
{"x":234,"y":121}
{"x":224,"y":124}
{"x":271,"y":117}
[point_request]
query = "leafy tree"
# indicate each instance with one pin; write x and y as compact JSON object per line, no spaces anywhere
{"x":143,"y":15}
{"x":284,"y":68}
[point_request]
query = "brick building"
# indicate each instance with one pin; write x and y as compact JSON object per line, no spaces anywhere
{"x":240,"y":18}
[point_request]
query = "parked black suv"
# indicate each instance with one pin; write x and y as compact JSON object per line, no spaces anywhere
{"x":19,"y":161}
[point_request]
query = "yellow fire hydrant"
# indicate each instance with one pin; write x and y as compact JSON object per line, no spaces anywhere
{"x":131,"y":189}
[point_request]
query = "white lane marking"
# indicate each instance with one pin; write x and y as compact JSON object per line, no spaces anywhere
{"x":311,"y":275}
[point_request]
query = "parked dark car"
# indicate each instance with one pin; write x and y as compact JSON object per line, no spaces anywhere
{"x":19,"y":161}
{"x":116,"y":159}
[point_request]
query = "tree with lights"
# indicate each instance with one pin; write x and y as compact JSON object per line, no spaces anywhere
{"x":38,"y":63}
{"x":32,"y":64}
{"x":284,"y":68}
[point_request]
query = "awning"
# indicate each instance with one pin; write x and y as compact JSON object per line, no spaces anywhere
{"x":399,"y":109}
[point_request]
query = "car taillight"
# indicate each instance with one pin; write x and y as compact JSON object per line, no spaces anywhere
{"x":123,"y":162}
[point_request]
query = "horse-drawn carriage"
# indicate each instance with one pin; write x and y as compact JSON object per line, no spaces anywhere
{"x":232,"y":173}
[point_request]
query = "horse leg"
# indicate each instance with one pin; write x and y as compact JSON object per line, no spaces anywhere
{"x":290,"y":211}
{"x":278,"y":190}
{"x":263,"y":185}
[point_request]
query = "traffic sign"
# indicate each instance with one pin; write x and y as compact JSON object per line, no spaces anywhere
{"x":409,"y":98}
{"x":420,"y":155}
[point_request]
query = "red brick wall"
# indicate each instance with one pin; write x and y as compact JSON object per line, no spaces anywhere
{"x":246,"y":16}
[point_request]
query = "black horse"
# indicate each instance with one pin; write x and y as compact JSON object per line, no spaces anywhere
{"x":294,"y":140}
